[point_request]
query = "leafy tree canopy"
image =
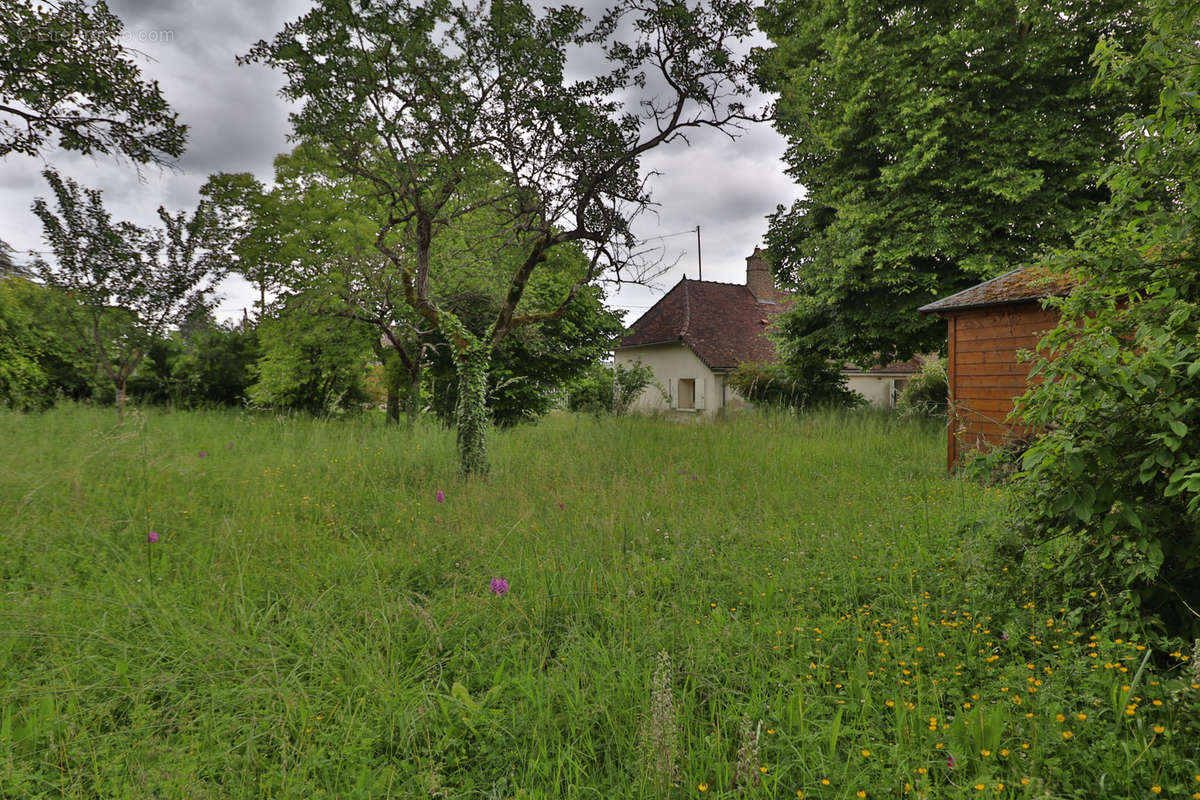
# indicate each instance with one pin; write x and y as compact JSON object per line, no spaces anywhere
{"x":67,"y":74}
{"x":419,"y":99}
{"x":311,"y":362}
{"x":130,"y":284}
{"x":937,"y":144}
{"x":316,"y":229}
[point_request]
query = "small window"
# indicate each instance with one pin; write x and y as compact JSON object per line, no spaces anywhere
{"x":687,"y":394}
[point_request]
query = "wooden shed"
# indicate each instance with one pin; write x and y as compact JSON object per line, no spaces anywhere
{"x":988,"y":325}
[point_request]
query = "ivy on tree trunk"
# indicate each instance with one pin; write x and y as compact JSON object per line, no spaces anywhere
{"x":472,"y":418}
{"x":448,"y":108}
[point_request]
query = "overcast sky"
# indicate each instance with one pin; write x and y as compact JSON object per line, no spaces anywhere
{"x":238,"y":124}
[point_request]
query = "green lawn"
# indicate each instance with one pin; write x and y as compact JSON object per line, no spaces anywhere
{"x":765,"y":607}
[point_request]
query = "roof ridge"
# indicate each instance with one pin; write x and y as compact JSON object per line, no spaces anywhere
{"x":687,"y":311}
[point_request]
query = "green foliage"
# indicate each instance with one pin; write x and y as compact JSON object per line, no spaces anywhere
{"x":67,"y":73}
{"x":533,"y":365}
{"x":449,"y":109}
{"x":1109,"y":497}
{"x":927,"y":393}
{"x":129,"y":284}
{"x":471,"y":414}
{"x":801,"y":384}
{"x":604,"y":389}
{"x":254,"y":229}
{"x":311,"y":363}
{"x":205,"y":364}
{"x":217,"y":366}
{"x":23,"y":383}
{"x":39,"y":360}
{"x":628,"y":385}
{"x":937,"y":144}
{"x":318,"y":625}
{"x":591,"y":391}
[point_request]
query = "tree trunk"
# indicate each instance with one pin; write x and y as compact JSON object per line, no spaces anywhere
{"x":472,"y":414}
{"x":413,"y":404}
{"x":393,"y":404}
{"x":393,"y":372}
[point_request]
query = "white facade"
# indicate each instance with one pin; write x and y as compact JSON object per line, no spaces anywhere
{"x":880,"y":391}
{"x":686,"y":387}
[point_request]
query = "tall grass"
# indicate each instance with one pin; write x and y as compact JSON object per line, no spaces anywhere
{"x":312,"y":622}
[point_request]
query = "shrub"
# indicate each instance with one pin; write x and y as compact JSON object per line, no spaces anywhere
{"x":786,"y":387}
{"x":602,"y":389}
{"x":927,"y":394}
{"x":1108,"y":499}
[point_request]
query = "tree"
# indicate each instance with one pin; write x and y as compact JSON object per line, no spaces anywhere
{"x":36,"y":352}
{"x":130,"y":283}
{"x":311,"y":362}
{"x":251,"y":221}
{"x":320,"y":231}
{"x":533,"y":364}
{"x":311,"y":236}
{"x":7,"y":265}
{"x":23,"y":382}
{"x":419,"y":99}
{"x":937,"y":144}
{"x":202,"y":363}
{"x":67,"y":74}
{"x":1107,"y":505}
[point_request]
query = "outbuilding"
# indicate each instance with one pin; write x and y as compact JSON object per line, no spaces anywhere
{"x":988,"y":326}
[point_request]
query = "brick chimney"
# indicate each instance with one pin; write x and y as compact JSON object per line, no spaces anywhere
{"x":758,"y":278}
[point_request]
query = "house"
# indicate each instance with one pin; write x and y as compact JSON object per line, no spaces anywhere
{"x":696,"y":334}
{"x":989,"y":324}
{"x":881,"y":386}
{"x":700,"y":331}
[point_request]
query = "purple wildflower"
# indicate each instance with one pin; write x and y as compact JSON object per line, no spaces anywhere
{"x":441,"y":497}
{"x":203,"y":454}
{"x":229,"y":446}
{"x":152,"y":537}
{"x":1004,"y":636}
{"x":950,"y":761}
{"x":499,"y":586}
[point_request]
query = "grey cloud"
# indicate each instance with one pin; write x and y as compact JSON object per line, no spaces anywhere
{"x":238,"y":123}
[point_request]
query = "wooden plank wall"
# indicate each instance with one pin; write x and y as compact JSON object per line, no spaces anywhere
{"x":984,"y":373}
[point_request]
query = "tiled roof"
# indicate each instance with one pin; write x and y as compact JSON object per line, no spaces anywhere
{"x":723,"y":323}
{"x":1019,"y":286}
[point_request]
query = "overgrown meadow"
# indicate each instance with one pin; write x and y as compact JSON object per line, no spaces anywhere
{"x":762,"y":607}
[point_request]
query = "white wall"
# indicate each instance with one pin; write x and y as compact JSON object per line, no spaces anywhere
{"x":670,"y":362}
{"x":879,"y":390}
